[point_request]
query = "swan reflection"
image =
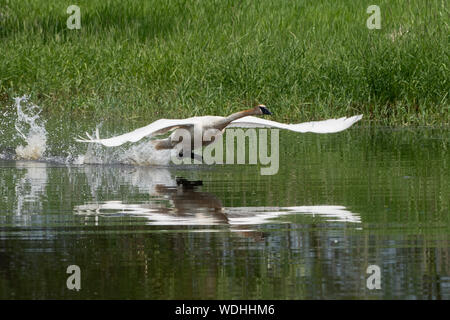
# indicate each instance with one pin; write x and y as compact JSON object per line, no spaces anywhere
{"x":30,"y":181}
{"x":179,"y":201}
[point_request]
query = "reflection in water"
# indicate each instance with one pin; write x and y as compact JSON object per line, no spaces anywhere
{"x":144,"y":179}
{"x":30,"y":184}
{"x":143,"y":233}
{"x":177,"y":201}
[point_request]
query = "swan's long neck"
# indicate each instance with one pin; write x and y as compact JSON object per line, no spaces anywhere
{"x":227,"y":120}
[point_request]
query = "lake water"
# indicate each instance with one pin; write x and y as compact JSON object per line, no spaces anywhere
{"x":339,"y":204}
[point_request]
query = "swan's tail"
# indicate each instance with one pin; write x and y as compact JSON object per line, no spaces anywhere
{"x":90,"y":138}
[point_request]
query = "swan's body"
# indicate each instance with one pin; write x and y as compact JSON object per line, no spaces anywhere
{"x":215,"y":126}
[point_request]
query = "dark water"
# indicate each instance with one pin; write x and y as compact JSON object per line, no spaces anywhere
{"x":338,"y":204}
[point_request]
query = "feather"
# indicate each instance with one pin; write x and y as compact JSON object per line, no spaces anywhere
{"x":324,"y":126}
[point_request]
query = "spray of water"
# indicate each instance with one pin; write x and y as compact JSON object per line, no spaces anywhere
{"x":31,"y":128}
{"x":145,"y":154}
{"x":141,"y":154}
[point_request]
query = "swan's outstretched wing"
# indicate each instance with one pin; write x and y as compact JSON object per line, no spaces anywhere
{"x":158,"y":127}
{"x":325,"y":126}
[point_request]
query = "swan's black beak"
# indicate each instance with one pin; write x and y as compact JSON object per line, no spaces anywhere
{"x":264,"y":110}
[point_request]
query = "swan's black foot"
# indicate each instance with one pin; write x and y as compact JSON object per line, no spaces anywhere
{"x":188,"y":184}
{"x":193,"y":156}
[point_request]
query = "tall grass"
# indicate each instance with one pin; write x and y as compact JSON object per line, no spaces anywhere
{"x":164,"y":58}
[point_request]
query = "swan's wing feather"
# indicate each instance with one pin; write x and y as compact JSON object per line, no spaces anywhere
{"x":154,"y":128}
{"x":324,"y":126}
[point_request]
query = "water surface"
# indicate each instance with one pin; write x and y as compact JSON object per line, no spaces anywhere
{"x":339,"y":203}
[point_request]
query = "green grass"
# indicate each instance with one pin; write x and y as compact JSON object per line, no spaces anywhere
{"x":163,"y":58}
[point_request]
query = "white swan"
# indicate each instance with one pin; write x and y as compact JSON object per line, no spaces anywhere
{"x":200,"y":125}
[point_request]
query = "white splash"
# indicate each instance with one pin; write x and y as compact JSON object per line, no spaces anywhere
{"x":145,"y":154}
{"x":141,"y":154}
{"x":31,"y":128}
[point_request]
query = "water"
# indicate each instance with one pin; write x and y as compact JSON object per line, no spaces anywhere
{"x":339,"y":203}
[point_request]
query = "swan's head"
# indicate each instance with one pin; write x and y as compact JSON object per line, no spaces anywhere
{"x":263,"y":109}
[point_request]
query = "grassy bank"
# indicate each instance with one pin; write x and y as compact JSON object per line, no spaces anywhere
{"x":304,"y":59}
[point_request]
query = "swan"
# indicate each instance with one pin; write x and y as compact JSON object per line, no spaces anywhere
{"x":216,"y":124}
